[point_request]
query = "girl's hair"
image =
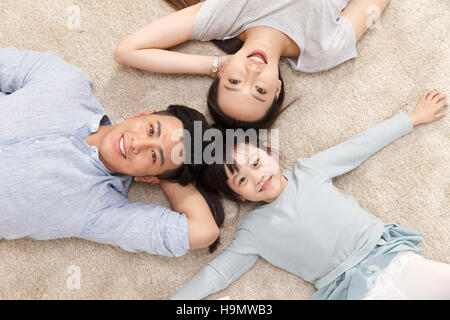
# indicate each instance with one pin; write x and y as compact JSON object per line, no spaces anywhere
{"x":213,"y":176}
{"x":213,"y":179}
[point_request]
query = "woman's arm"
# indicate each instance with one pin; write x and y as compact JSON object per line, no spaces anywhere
{"x":363,"y":14}
{"x":146,"y":48}
{"x":203,"y":230}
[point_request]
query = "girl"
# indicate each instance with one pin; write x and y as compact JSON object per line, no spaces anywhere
{"x":309,"y":228}
{"x":311,"y":35}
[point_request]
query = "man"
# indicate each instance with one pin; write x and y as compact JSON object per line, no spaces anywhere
{"x":65,"y":170}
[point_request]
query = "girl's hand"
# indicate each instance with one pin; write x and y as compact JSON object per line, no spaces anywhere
{"x":427,"y":110}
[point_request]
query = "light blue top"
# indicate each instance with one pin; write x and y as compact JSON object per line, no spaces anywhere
{"x":53,"y":184}
{"x":311,"y":229}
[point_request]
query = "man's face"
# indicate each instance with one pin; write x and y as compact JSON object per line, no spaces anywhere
{"x":142,"y":145}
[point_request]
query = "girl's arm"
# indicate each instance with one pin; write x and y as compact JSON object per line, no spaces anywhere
{"x":146,"y":48}
{"x":226,"y":268}
{"x":203,"y":230}
{"x":350,"y":154}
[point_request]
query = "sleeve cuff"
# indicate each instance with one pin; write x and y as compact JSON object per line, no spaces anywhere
{"x":406,"y":122}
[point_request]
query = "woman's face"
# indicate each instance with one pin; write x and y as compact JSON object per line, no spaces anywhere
{"x":258,"y":176}
{"x":248,"y":85}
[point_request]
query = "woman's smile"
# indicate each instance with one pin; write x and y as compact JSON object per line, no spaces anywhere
{"x":258,"y":57}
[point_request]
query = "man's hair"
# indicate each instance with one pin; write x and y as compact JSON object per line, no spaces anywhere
{"x":190,"y":169}
{"x":188,"y":173}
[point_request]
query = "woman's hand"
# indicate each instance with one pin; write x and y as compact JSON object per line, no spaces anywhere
{"x":223,"y":60}
{"x":427,"y":110}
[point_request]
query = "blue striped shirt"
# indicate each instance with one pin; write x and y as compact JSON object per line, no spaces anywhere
{"x":53,"y":184}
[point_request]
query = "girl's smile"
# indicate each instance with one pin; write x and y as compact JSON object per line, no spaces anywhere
{"x":266,"y":184}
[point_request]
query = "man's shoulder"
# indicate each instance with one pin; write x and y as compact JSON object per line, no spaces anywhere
{"x":54,"y":68}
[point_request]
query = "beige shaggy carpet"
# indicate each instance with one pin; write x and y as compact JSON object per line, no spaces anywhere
{"x":407,"y":183}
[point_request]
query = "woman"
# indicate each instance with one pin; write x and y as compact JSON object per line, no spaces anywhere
{"x":311,"y":35}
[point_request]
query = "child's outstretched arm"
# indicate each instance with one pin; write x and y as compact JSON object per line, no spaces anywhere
{"x":203,"y":230}
{"x":350,"y":154}
{"x":226,"y":268}
{"x":146,"y":49}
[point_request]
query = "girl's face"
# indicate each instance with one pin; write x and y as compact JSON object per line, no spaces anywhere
{"x":248,"y":84}
{"x":258,"y":176}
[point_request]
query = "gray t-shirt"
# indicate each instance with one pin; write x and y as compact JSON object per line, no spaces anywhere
{"x":325,"y":37}
{"x":311,"y":230}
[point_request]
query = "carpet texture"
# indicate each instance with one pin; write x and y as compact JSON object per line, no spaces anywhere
{"x":407,"y":183}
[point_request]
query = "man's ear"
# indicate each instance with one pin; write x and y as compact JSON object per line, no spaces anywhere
{"x":145,"y":113}
{"x":148,"y":179}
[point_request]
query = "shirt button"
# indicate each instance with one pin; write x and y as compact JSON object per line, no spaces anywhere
{"x":36,"y":141}
{"x":1,"y":150}
{"x":72,"y":138}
